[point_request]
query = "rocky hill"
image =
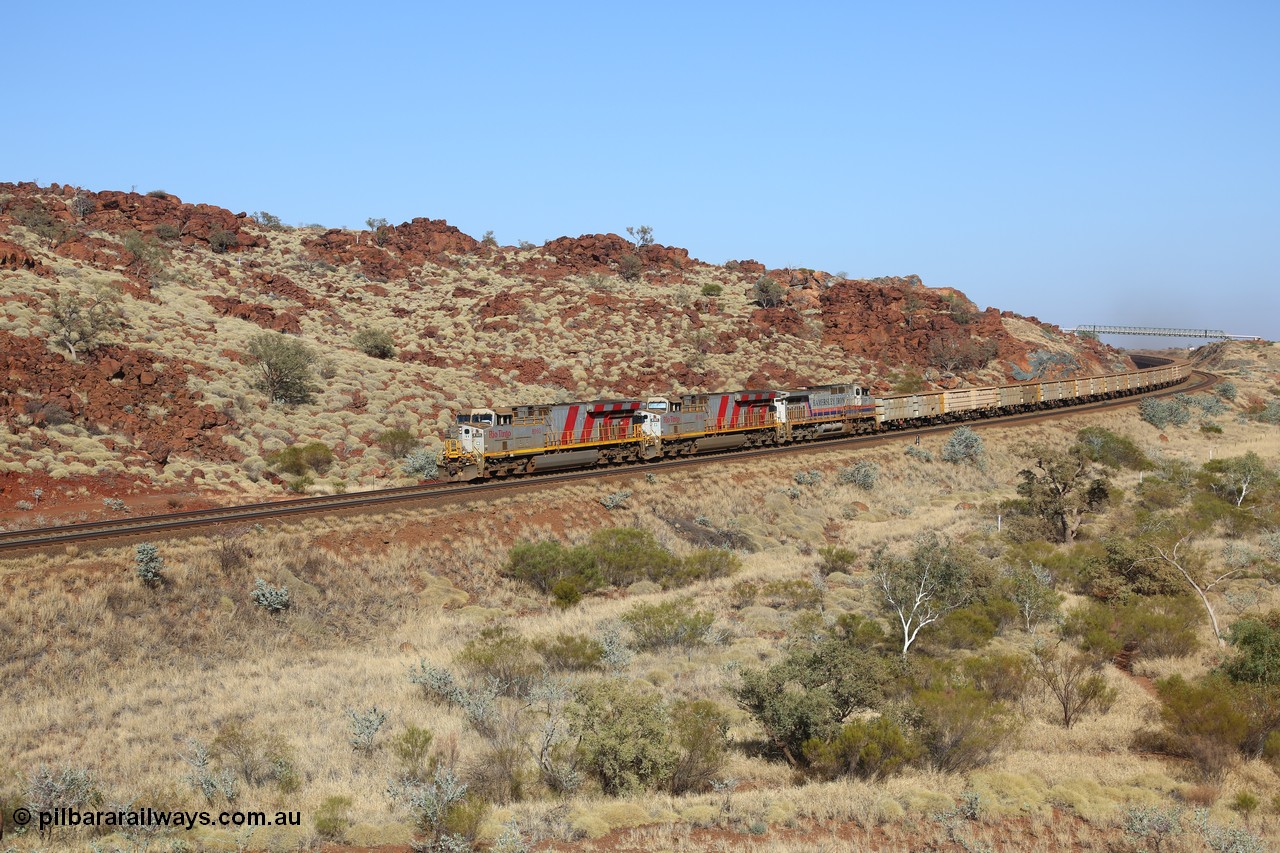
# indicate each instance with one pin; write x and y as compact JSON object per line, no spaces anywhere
{"x":161,"y":405}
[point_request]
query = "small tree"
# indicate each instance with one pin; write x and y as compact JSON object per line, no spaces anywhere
{"x":1166,"y":546}
{"x":149,"y":564}
{"x":1239,"y":477}
{"x":1076,"y":682}
{"x":381,"y":231}
{"x":283,"y":367}
{"x":268,"y":221}
{"x":1062,"y":487}
{"x":768,"y":292}
{"x":77,"y":322}
{"x":1030,"y":587}
{"x":920,"y":589}
{"x":83,"y":205}
{"x":641,"y":235}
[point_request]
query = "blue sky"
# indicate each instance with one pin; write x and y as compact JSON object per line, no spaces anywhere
{"x":1083,"y":162}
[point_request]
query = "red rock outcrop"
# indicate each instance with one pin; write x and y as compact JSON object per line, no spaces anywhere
{"x":14,"y":257}
{"x":393,"y":252}
{"x":255,"y":312}
{"x":118,"y":389}
{"x":603,"y":253}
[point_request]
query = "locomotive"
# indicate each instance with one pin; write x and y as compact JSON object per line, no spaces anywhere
{"x":528,"y":439}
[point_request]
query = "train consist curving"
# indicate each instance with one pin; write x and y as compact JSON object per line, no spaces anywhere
{"x":557,"y":436}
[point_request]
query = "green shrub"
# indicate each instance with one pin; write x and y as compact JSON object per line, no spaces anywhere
{"x":704,"y":564}
{"x":611,"y":557}
{"x":964,"y":446}
{"x":866,"y":749}
{"x":299,"y":459}
{"x":630,"y":267}
{"x":167,"y":231}
{"x":1155,"y":627}
{"x":1161,"y":413}
{"x":1226,"y":389}
{"x":910,"y":382}
{"x":624,"y":736}
{"x":220,"y":240}
{"x":503,"y":655}
{"x":701,"y":733}
{"x":269,"y":221}
{"x":833,"y":559}
{"x":969,"y":627}
{"x":283,"y":366}
{"x":412,"y":749}
{"x":1075,"y":681}
{"x":331,"y":819}
{"x":862,"y":474}
{"x":572,"y":652}
{"x":544,"y":564}
{"x":1202,"y":721}
{"x":962,"y":728}
{"x":1257,"y":644}
{"x":793,"y":594}
{"x":255,"y":757}
{"x":711,"y":290}
{"x":1003,"y":677}
{"x":149,"y":564}
{"x":157,"y":194}
{"x":666,"y":625}
{"x":374,"y":342}
{"x":273,"y":599}
{"x":809,"y":693}
{"x":1029,"y":586}
{"x":768,"y":292}
{"x":1113,"y":450}
{"x":397,"y":442}
{"x":1123,"y":571}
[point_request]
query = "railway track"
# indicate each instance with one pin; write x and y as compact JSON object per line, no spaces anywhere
{"x":119,"y":531}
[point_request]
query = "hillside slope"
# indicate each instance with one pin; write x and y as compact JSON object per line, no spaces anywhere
{"x":165,"y":404}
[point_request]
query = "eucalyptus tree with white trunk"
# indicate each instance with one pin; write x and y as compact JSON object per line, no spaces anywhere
{"x":925,"y":586}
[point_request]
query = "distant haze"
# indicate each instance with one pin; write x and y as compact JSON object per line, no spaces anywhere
{"x":1085,"y":163}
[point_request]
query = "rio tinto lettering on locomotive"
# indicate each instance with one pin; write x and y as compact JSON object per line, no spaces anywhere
{"x":500,"y":433}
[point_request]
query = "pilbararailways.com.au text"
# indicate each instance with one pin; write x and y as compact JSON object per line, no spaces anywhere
{"x":156,"y":819}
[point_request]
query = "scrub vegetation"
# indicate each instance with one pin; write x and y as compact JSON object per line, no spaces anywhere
{"x":718,"y":662}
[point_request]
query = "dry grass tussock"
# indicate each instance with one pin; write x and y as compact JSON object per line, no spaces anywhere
{"x":103,"y":672}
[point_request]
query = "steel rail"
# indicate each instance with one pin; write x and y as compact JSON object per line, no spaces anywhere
{"x":191,"y":520}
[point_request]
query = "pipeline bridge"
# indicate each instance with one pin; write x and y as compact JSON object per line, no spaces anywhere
{"x":1161,"y":332}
